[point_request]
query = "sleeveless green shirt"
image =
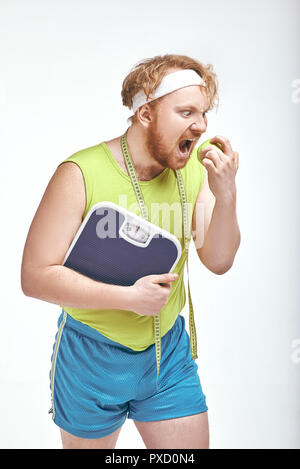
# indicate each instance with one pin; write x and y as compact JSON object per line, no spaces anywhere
{"x":105,"y":180}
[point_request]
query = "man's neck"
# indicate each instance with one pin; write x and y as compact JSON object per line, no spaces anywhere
{"x":145,"y":166}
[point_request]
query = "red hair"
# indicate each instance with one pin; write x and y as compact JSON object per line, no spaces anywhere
{"x":147,"y":75}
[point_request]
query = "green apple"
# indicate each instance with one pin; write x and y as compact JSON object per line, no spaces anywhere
{"x":204,"y":145}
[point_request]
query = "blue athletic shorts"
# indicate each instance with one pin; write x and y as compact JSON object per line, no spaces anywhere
{"x":97,"y":383}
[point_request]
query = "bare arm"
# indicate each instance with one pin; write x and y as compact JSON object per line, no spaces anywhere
{"x":215,"y":230}
{"x":52,"y":230}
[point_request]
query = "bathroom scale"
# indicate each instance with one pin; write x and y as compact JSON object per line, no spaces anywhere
{"x":115,"y":246}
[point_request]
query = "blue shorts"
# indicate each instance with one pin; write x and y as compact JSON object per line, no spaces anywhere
{"x":97,"y":383}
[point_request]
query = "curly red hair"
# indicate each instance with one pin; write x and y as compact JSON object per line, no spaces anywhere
{"x":147,"y":75}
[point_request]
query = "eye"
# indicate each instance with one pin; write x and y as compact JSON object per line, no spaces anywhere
{"x":204,"y":114}
{"x":186,"y":115}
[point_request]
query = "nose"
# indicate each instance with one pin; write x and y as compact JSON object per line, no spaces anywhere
{"x":199,"y":126}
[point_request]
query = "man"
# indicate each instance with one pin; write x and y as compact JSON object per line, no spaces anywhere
{"x":103,"y":364}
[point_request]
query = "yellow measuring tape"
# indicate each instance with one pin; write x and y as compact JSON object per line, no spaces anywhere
{"x":144,"y":213}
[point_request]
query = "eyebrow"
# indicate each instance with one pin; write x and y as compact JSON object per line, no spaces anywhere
{"x":190,"y":106}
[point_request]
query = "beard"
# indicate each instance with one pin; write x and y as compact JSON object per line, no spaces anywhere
{"x":160,"y":150}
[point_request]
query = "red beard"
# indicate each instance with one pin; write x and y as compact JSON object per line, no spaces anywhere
{"x":162,"y":153}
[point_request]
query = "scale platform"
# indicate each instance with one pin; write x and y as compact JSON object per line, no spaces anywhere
{"x":115,"y":246}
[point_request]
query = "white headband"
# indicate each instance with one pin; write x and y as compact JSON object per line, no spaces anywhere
{"x":171,"y":82}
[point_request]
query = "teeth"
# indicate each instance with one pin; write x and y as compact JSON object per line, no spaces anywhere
{"x":190,"y":139}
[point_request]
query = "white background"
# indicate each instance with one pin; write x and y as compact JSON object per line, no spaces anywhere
{"x":61,"y":72}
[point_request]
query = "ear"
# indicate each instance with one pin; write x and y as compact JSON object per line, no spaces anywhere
{"x":145,"y":115}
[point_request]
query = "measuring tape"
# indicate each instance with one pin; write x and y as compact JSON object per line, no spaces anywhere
{"x":193,"y":335}
{"x":144,"y":213}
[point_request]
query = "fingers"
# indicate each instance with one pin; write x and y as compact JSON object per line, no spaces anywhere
{"x":212,"y":160}
{"x":224,"y":142}
{"x":213,"y":157}
{"x":166,"y":285}
{"x":210,"y":157}
{"x":164,"y":278}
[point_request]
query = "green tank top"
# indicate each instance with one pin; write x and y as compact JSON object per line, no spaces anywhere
{"x":105,"y":180}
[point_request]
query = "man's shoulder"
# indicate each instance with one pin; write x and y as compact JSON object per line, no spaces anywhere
{"x":87,"y":155}
{"x":88,"y":151}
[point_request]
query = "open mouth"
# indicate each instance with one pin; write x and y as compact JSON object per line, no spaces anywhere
{"x":185,"y":147}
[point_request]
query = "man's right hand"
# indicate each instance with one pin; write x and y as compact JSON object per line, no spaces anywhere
{"x":150,"y":294}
